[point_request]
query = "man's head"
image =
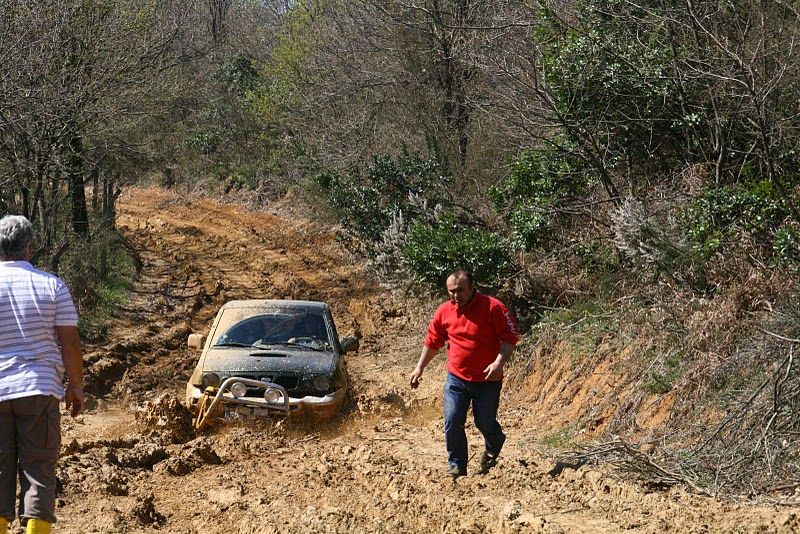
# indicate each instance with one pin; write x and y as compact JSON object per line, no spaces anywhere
{"x":16,"y":238}
{"x":460,"y":287}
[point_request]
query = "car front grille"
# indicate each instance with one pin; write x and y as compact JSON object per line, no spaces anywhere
{"x":290,"y":382}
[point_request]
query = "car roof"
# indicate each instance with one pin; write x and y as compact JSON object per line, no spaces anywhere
{"x":275,"y":303}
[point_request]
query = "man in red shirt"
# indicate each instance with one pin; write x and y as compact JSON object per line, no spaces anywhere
{"x":481,"y":335}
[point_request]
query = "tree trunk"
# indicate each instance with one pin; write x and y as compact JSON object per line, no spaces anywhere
{"x":95,"y":190}
{"x":77,"y":192}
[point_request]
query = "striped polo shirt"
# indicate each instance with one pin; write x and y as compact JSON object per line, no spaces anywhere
{"x":32,"y":304}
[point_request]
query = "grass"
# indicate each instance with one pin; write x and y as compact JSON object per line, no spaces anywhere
{"x":662,"y":380}
{"x":584,"y":325}
{"x":562,"y":438}
{"x":100,"y":275}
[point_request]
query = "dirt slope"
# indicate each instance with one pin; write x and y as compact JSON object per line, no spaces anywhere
{"x":132,"y":465}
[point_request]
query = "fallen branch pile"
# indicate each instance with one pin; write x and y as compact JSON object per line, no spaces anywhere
{"x":754,"y":450}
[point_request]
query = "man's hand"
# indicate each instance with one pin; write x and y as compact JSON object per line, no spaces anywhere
{"x":424,"y":358}
{"x":494,"y":371}
{"x":416,"y":377}
{"x":74,"y":399}
{"x":71,"y":353}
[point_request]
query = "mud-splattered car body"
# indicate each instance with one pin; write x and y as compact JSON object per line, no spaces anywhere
{"x":265,"y":357}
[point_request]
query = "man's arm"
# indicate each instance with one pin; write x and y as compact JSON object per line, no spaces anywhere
{"x":72,"y":356}
{"x":494,"y":371}
{"x":424,"y":359}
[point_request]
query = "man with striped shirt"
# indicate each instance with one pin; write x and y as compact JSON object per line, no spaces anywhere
{"x":39,"y":346}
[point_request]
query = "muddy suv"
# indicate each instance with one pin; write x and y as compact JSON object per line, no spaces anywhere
{"x":265,"y":357}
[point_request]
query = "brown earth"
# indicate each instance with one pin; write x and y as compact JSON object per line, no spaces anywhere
{"x":132,"y":463}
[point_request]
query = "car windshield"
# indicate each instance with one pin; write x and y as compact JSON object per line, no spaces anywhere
{"x":245,"y":328}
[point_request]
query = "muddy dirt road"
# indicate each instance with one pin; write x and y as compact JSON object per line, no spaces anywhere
{"x":131,"y":464}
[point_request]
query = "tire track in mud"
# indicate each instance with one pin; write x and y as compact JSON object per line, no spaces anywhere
{"x":378,"y":468}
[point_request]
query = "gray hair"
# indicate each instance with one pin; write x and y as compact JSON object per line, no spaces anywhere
{"x":16,"y":233}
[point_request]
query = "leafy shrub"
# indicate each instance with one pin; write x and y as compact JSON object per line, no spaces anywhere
{"x":206,"y":141}
{"x":538,"y":181}
{"x":721,"y":212}
{"x":434,"y":249}
{"x":239,"y":74}
{"x":359,"y":206}
{"x":607,"y":78}
{"x":538,"y":177}
{"x":529,"y":228}
{"x":367,"y":204}
{"x":786,"y":247}
{"x":99,"y":274}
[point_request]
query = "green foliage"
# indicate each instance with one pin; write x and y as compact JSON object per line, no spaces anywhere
{"x":366,"y":204}
{"x":529,"y":228}
{"x":434,"y":249}
{"x":239,"y":74}
{"x":664,"y":378}
{"x":99,"y":273}
{"x":610,"y":80}
{"x":205,"y":141}
{"x":540,"y":177}
{"x":285,"y":73}
{"x":722,"y":212}
{"x":359,"y":206}
{"x":786,"y":247}
{"x":437,"y":240}
{"x":539,"y":180}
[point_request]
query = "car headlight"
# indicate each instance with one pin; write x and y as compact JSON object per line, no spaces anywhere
{"x":273,"y":395}
{"x":238,"y":389}
{"x":322,"y":383}
{"x":211,"y":380}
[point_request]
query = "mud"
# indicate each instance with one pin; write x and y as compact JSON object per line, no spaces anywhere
{"x":133,"y":463}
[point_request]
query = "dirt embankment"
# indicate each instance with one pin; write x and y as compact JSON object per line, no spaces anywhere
{"x":132,"y":463}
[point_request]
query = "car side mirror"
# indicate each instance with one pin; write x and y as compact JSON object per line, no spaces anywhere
{"x":349,"y":344}
{"x":196,"y":341}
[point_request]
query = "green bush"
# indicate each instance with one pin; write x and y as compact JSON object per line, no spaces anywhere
{"x":365,"y":204}
{"x":610,"y":79}
{"x":359,"y":207}
{"x":539,"y":177}
{"x":786,"y":248}
{"x":529,"y":228}
{"x":433,"y":250}
{"x":99,"y":274}
{"x":539,"y":180}
{"x":206,"y":141}
{"x":720,"y":213}
{"x":239,"y":74}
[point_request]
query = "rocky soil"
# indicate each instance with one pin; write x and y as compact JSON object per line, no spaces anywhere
{"x":133,"y":464}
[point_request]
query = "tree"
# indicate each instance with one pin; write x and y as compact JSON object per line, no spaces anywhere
{"x":72,"y":77}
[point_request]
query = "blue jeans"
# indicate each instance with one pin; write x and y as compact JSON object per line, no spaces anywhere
{"x":485,"y":398}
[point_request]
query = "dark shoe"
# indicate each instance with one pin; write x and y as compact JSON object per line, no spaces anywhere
{"x":455,"y":471}
{"x":488,"y":460}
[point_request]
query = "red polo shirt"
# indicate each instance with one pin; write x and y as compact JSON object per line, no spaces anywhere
{"x":474,"y":332}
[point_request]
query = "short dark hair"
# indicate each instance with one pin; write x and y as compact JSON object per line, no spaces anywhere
{"x":458,"y":273}
{"x":16,"y":233}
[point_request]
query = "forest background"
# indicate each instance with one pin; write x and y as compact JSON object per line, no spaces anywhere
{"x":623,"y":173}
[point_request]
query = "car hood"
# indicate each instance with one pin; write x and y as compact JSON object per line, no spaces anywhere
{"x":229,"y":360}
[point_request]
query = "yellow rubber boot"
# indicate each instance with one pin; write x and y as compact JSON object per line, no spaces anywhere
{"x":3,"y":525}
{"x":38,"y":526}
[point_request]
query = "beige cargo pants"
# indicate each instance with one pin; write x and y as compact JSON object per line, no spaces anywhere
{"x":30,"y":438}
